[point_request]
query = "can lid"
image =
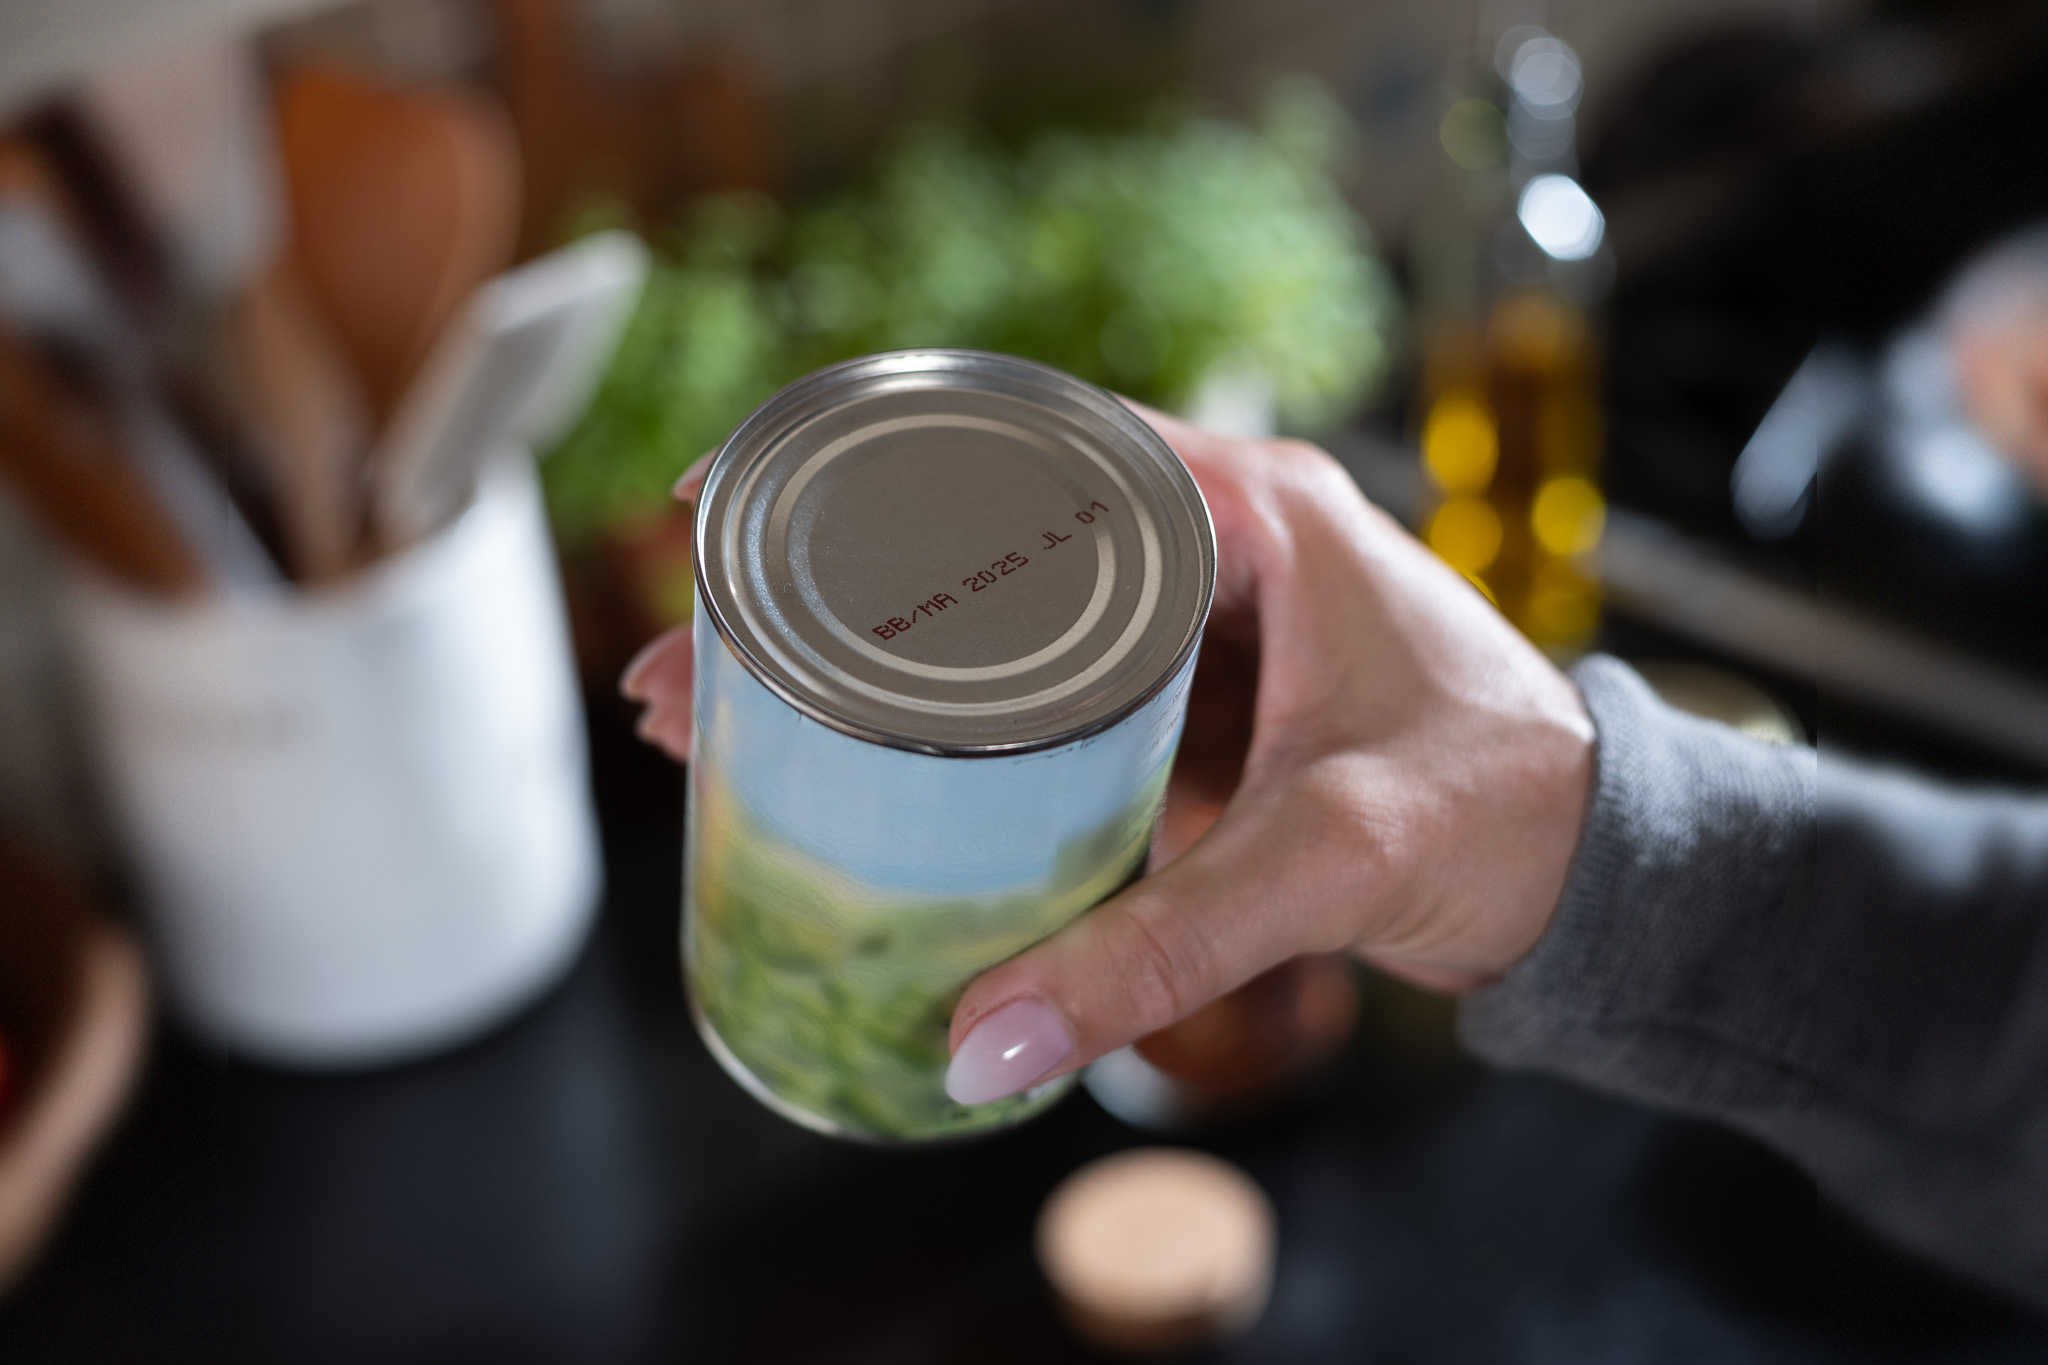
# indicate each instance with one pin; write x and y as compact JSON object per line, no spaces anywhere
{"x":954,"y":552}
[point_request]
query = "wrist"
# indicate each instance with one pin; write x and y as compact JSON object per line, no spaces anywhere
{"x":1562,"y":750}
{"x":1479,"y":875}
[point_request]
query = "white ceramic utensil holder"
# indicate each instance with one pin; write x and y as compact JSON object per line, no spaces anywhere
{"x":360,"y":817}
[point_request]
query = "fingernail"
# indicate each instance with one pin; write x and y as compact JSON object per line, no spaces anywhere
{"x":675,"y":490}
{"x":670,"y":734}
{"x":635,"y":673}
{"x":1007,"y":1052}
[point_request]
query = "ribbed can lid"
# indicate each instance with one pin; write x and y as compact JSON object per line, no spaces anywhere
{"x":954,"y":552}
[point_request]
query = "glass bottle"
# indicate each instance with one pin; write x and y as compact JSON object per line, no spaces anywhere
{"x":1508,"y":256}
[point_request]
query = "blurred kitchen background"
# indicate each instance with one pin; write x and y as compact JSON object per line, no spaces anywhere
{"x":1600,"y":298}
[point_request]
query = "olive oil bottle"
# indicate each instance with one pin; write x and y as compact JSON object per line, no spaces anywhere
{"x":1508,"y":414}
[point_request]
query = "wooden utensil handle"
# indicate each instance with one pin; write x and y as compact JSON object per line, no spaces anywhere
{"x":67,"y":466}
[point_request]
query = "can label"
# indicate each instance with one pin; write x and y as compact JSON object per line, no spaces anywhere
{"x":841,"y":894}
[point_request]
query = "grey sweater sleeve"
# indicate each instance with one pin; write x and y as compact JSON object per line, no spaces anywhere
{"x":1849,"y":964}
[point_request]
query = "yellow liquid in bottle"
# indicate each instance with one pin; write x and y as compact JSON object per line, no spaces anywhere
{"x":1511,"y":439}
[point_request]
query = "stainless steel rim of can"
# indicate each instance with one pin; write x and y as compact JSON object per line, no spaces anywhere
{"x":954,"y":552}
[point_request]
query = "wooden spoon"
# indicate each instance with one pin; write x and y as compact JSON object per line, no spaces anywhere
{"x":402,"y":203}
{"x":311,"y":422}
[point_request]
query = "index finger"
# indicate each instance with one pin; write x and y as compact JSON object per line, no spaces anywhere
{"x":1219,"y":465}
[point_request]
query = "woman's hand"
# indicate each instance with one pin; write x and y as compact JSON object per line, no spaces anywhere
{"x":1375,"y":762}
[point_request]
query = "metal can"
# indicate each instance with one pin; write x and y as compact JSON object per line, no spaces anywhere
{"x":948,"y":609}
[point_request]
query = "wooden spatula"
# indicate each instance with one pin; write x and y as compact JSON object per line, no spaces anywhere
{"x":402,"y":203}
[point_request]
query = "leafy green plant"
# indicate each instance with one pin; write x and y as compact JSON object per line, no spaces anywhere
{"x":1147,"y":260}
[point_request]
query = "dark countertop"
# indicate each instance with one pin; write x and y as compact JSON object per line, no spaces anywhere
{"x":586,"y":1185}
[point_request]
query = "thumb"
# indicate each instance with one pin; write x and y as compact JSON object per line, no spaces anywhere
{"x":1247,"y":896}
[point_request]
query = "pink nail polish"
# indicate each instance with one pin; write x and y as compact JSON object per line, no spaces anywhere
{"x":634,"y":674}
{"x":1007,"y":1052}
{"x":680,"y":490}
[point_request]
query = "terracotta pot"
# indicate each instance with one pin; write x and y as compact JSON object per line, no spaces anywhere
{"x":74,"y":1011}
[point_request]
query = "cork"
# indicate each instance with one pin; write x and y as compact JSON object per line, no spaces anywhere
{"x":1158,"y":1249}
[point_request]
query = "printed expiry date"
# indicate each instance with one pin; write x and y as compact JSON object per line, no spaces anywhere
{"x":995,"y":573}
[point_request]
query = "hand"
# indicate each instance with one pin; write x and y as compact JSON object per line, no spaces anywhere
{"x":660,"y":675}
{"x":1375,"y":762}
